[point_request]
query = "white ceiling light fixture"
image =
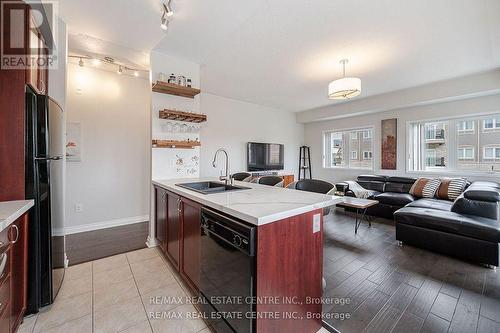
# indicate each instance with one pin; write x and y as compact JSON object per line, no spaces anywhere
{"x":346,"y":87}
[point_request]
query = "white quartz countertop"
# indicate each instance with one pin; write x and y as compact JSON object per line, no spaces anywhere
{"x":12,"y":210}
{"x":258,"y":205}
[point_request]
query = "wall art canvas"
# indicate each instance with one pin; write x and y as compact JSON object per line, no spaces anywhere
{"x":74,"y":142}
{"x":389,"y":144}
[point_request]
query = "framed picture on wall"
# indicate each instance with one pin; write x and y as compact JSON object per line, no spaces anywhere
{"x":74,"y":142}
{"x":389,"y":144}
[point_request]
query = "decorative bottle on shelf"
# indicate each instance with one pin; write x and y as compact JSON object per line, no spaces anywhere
{"x":172,"y":78}
{"x":189,"y":83}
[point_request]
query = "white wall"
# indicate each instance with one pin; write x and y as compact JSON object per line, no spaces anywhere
{"x":313,"y":134}
{"x":113,"y":179}
{"x":232,"y":123}
{"x":164,"y":159}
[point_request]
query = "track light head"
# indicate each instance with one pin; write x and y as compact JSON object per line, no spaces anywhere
{"x":168,"y":9}
{"x":81,"y":63}
{"x":164,"y":23}
{"x":120,"y":70}
{"x":136,"y":73}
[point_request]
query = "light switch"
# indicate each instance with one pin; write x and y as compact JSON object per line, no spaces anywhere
{"x":316,"y":223}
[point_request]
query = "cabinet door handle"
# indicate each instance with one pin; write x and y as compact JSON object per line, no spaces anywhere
{"x":17,"y":234}
{"x":179,"y":205}
{"x":3,"y":263}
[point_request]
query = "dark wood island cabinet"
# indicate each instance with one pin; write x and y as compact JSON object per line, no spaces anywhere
{"x":13,"y":274}
{"x":288,"y":262}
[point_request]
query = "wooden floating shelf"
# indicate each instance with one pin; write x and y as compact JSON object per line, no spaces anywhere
{"x":175,"y":89}
{"x":175,"y":144}
{"x":182,"y":116}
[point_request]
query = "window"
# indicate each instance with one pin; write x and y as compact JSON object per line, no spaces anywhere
{"x":491,"y":153}
{"x":491,"y":123}
{"x":344,"y":149}
{"x":465,"y":126}
{"x":465,"y":153}
{"x":440,"y":145}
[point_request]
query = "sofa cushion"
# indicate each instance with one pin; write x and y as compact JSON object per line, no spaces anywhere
{"x":394,"y":199}
{"x":425,"y":187}
{"x":398,"y":187}
{"x":465,"y":225}
{"x":451,"y":188}
{"x":443,"y":205}
{"x":403,"y":180}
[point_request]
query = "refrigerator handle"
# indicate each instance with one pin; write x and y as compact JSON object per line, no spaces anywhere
{"x":51,"y":158}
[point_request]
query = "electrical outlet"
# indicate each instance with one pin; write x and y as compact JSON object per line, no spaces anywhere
{"x":78,"y":207}
{"x":316,"y":223}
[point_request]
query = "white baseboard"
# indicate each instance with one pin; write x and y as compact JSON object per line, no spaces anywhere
{"x":105,"y":224}
{"x":151,"y":242}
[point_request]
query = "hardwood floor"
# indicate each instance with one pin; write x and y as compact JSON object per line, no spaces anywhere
{"x":388,"y":288}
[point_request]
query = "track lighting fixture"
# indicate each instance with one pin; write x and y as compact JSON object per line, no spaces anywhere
{"x":168,"y":9}
{"x":164,"y":23}
{"x":167,"y":12}
{"x":107,"y":63}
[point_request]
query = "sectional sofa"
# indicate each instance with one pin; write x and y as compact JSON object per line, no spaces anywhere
{"x":468,"y":227}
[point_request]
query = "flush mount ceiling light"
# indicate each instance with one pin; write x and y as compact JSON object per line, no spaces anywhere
{"x":346,"y":87}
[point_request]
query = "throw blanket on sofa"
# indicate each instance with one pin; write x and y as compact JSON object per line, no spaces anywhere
{"x":358,"y":190}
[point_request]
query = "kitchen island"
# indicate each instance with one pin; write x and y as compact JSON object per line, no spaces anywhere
{"x":260,"y":246}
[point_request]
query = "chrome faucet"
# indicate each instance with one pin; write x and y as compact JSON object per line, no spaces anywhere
{"x":227,"y":177}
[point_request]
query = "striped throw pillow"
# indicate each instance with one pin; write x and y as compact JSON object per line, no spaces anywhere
{"x":451,"y":188}
{"x":425,"y":187}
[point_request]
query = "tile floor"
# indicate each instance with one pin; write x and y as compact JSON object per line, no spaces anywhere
{"x":119,"y":294}
{"x":113,"y":295}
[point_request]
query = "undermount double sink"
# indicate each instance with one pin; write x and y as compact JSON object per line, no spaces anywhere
{"x":211,"y":187}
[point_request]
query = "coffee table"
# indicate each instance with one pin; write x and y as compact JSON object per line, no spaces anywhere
{"x":360,"y":205}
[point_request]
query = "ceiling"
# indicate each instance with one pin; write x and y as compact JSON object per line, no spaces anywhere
{"x":283,"y":53}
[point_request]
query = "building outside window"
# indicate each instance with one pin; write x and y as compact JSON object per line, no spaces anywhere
{"x":451,"y":144}
{"x":465,"y":153}
{"x":465,"y":126}
{"x":344,"y":149}
{"x":491,"y":124}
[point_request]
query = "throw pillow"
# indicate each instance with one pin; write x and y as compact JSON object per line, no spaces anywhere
{"x":451,"y":188}
{"x":425,"y":187}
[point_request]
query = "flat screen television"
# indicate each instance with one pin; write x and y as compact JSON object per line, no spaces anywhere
{"x":265,"y":156}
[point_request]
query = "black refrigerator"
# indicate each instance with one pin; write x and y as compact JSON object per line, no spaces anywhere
{"x":45,"y":147}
